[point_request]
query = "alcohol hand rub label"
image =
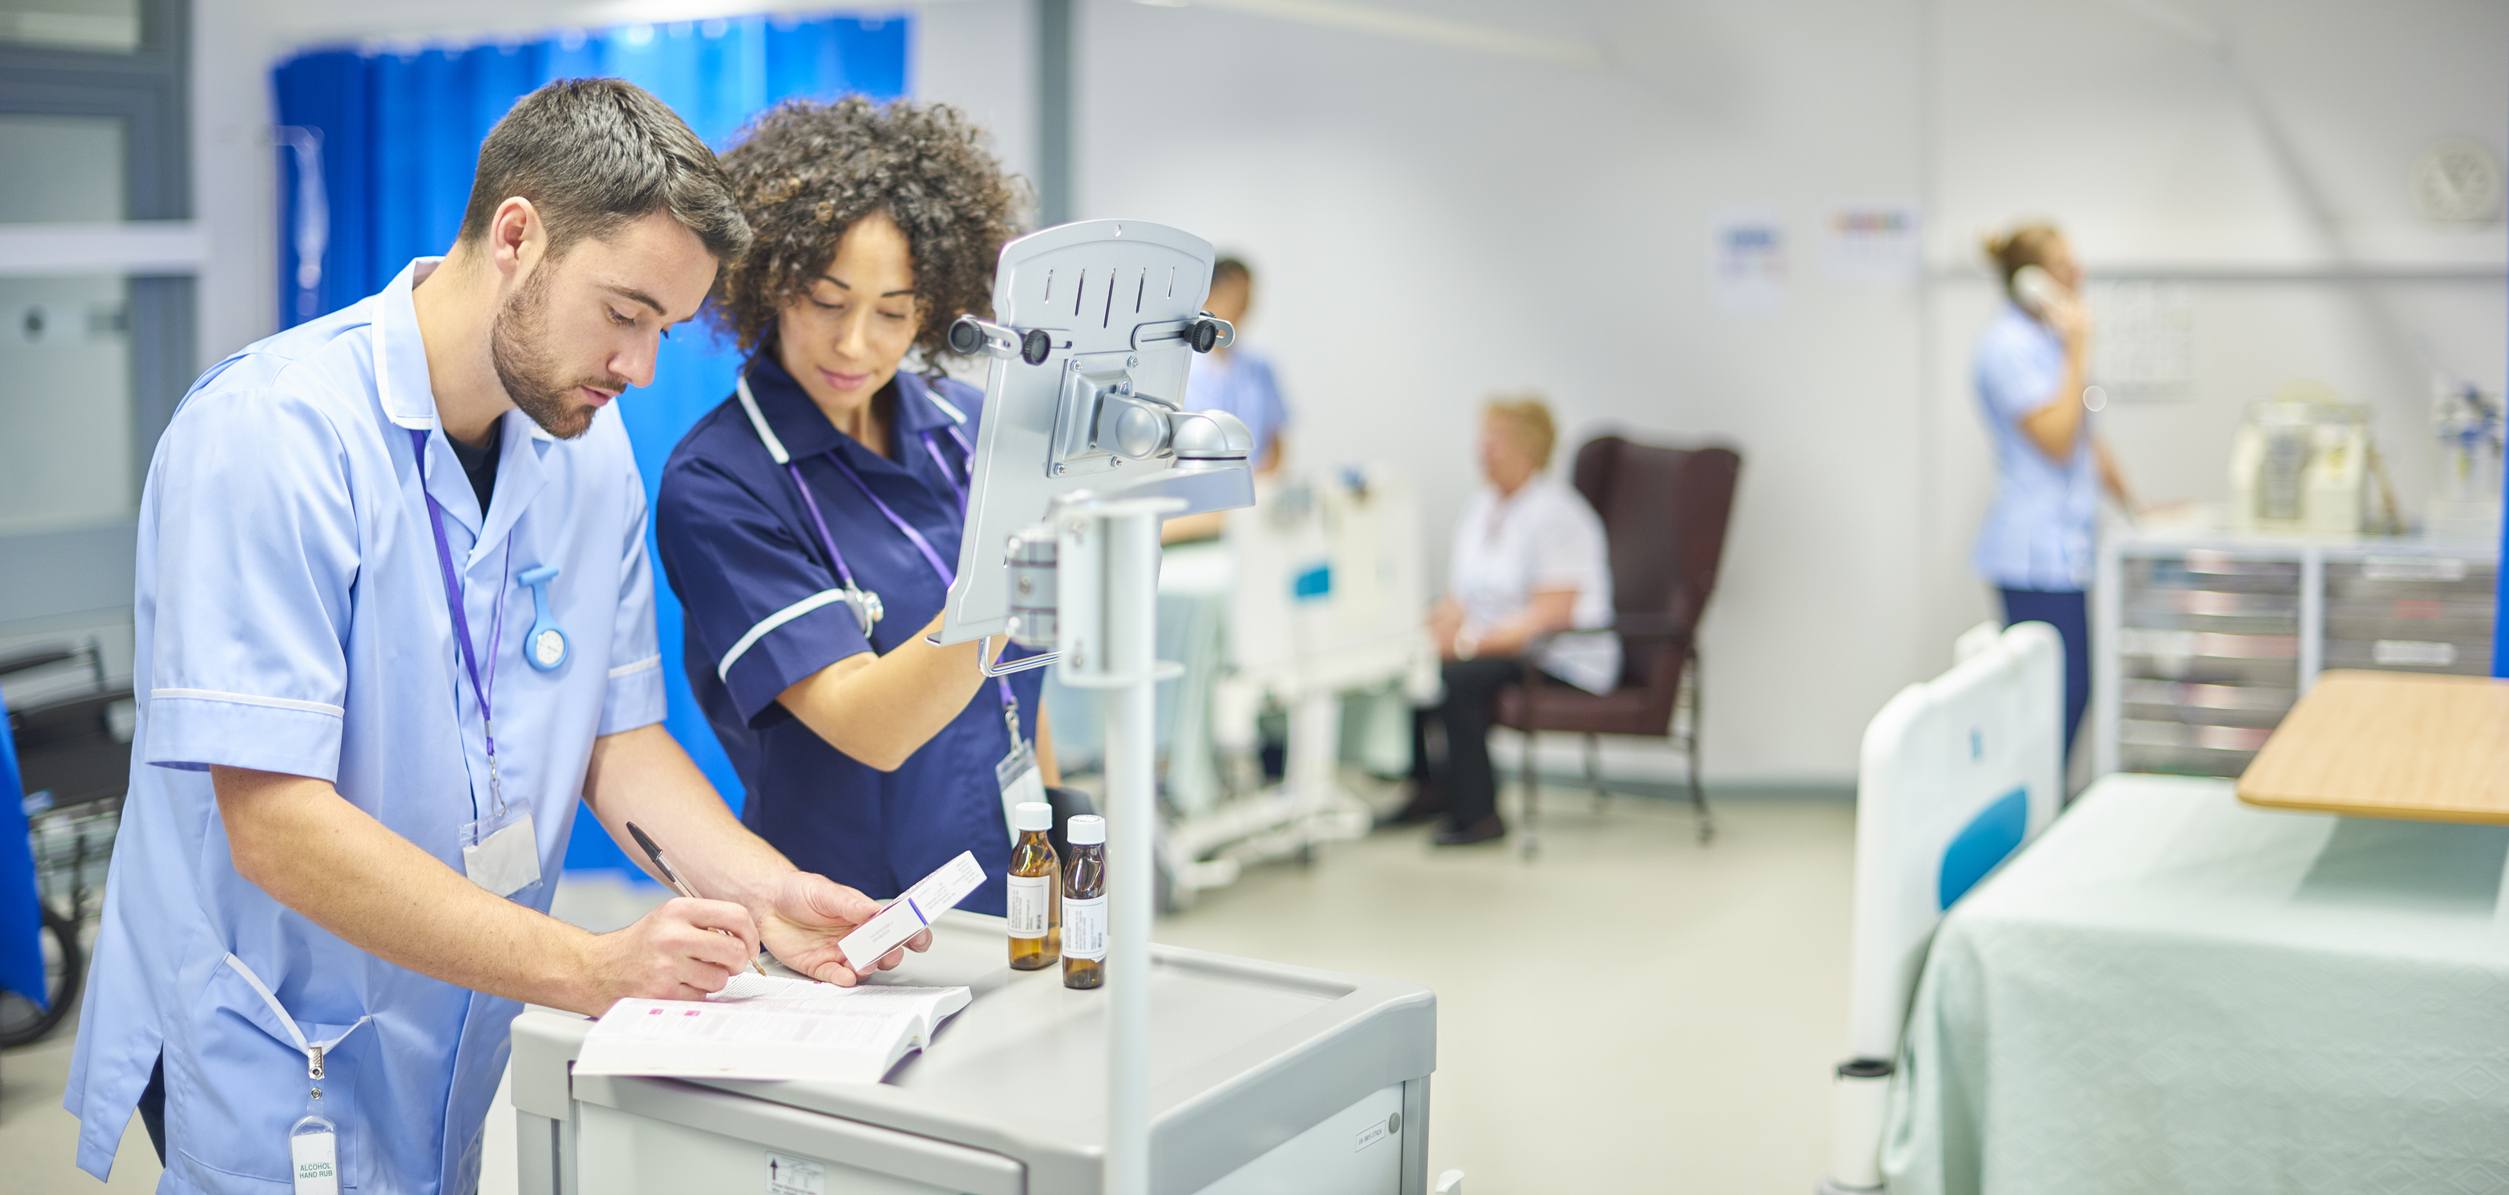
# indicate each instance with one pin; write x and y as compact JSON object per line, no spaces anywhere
{"x":317,"y":1163}
{"x":1030,"y":896}
{"x":1084,"y":928}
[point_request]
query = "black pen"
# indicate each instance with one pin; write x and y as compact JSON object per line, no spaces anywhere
{"x":653,"y":851}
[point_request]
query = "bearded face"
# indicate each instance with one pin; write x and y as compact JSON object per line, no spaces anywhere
{"x":528,"y":364}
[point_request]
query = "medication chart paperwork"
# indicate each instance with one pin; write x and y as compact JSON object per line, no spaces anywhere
{"x":770,"y":1027}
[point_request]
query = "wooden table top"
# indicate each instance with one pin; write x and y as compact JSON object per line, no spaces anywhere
{"x":2390,"y":745}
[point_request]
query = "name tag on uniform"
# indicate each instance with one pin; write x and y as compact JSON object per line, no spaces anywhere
{"x":507,"y":861}
{"x":314,"y":1153}
{"x":1020,"y":781}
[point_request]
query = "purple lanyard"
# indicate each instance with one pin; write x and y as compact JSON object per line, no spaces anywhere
{"x":940,"y":567}
{"x":481,"y":683}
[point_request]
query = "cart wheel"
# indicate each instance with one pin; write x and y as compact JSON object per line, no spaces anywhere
{"x":1306,"y":854}
{"x":1707,"y":832}
{"x":65,"y":968}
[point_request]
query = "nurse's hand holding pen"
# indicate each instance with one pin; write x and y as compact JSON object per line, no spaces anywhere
{"x":684,"y":949}
{"x":687,"y":949}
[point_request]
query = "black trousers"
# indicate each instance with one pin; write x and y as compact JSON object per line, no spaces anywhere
{"x":1457,"y":768}
{"x":2069,"y":611}
{"x":152,"y":1109}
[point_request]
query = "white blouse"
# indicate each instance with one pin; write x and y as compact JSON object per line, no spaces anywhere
{"x":1544,"y":536}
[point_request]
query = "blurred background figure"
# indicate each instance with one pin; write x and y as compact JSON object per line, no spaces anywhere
{"x":1239,"y":379}
{"x":2038,"y":547}
{"x":1529,"y":562}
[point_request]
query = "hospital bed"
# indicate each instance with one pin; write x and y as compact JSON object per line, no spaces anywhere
{"x":2170,"y":991}
{"x":1327,"y":600}
{"x":1312,"y":599}
{"x":2175,"y":993}
{"x":1957,"y":774}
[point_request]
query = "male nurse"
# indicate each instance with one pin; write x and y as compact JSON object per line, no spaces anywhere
{"x":395,"y":618}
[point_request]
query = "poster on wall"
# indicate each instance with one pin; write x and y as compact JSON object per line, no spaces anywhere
{"x":1747,"y":262}
{"x":1872,"y":244}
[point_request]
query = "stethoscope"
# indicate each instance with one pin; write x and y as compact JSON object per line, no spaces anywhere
{"x":865,"y":603}
{"x":545,"y":646}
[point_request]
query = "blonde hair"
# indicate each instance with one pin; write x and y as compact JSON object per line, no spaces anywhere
{"x":1529,"y":417}
{"x":2028,"y":243}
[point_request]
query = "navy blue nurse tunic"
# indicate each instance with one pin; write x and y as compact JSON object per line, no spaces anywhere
{"x":740,"y":550}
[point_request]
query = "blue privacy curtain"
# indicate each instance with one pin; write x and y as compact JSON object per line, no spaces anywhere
{"x":395,"y":135}
{"x":21,"y":912}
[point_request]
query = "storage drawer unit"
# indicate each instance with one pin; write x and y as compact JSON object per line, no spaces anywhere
{"x":2204,"y":642}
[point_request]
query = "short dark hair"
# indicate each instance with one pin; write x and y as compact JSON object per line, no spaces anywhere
{"x":594,"y":154}
{"x":1231,"y":266}
{"x":806,"y":170}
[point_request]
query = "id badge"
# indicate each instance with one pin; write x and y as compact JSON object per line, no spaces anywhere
{"x":1020,"y":781}
{"x":504,"y":859}
{"x":313,"y":1150}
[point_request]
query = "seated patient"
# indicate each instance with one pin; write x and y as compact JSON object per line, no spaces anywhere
{"x":1528,"y":563}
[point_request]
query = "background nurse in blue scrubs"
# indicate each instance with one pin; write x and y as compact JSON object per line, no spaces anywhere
{"x":2032,"y":366}
{"x":810,"y":524}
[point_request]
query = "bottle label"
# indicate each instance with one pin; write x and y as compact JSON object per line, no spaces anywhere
{"x":314,"y":1152}
{"x":1084,"y":928}
{"x":1028,"y":904}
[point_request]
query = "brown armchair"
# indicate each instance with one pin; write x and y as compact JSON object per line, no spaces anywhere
{"x":1664,"y":513}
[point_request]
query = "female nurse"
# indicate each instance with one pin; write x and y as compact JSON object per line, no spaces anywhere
{"x":810,"y":523}
{"x":2036,"y":548}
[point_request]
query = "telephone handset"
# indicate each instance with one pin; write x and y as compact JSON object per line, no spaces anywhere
{"x":2038,"y":291}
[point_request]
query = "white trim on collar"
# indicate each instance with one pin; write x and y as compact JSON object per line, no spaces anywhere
{"x":948,"y":408}
{"x":758,"y":423}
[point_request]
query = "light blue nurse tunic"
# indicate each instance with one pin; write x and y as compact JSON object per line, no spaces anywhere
{"x":1242,"y":383}
{"x":292,"y":618}
{"x":2041,"y":532}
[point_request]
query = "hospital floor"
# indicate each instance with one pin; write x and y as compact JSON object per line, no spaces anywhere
{"x":1630,"y":1012}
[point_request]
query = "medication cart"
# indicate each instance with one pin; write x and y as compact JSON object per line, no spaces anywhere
{"x":1267,"y":1078}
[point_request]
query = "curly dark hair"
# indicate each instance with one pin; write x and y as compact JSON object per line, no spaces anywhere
{"x":804,"y":171}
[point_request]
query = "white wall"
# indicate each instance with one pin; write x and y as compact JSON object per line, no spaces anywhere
{"x":1433,"y":223}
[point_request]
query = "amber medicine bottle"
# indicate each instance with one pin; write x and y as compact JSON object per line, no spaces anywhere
{"x":1036,"y":891}
{"x":1084,"y":904}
